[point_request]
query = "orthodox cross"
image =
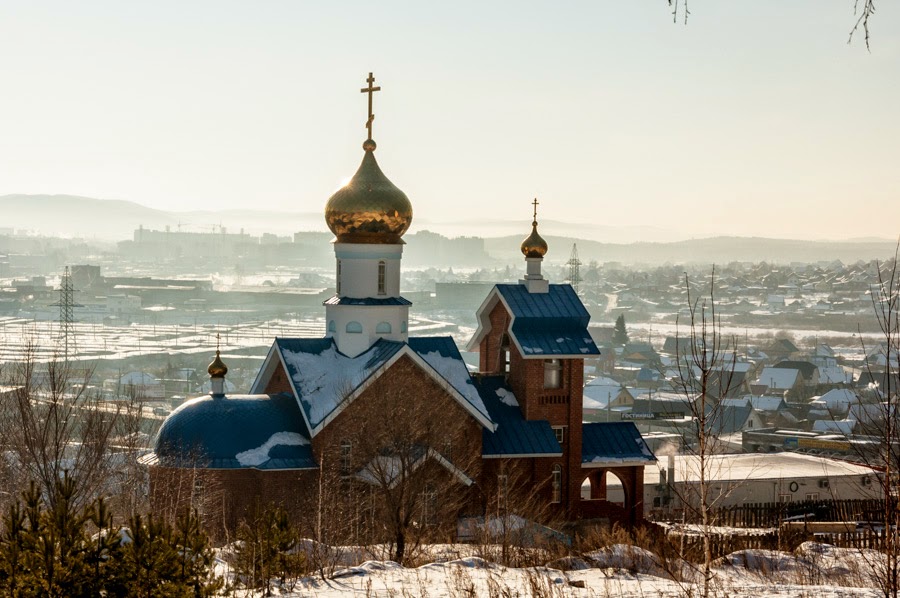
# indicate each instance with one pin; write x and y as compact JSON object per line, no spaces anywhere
{"x":535,"y":203}
{"x":370,"y":90}
{"x":218,"y":338}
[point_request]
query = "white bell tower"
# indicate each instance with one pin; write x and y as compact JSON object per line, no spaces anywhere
{"x":368,"y":216}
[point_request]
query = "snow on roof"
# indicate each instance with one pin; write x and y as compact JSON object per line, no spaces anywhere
{"x":779,"y":378}
{"x":758,"y":466}
{"x":259,"y":455}
{"x":325,"y":379}
{"x":598,"y":397}
{"x":763,"y":403}
{"x":842,"y":426}
{"x":507,"y":398}
{"x":837,"y":398}
{"x":456,"y":373}
{"x":834,"y":375}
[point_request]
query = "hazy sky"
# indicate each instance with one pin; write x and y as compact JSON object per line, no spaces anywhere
{"x":756,"y":118}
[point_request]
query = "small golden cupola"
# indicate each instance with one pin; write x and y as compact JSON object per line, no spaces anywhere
{"x":217,"y":370}
{"x":534,"y":248}
{"x":369,"y":208}
{"x":534,"y":245}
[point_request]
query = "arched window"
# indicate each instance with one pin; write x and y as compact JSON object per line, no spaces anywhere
{"x":556,"y":495}
{"x":332,"y":327}
{"x":383,"y":328}
{"x":338,"y":278}
{"x":403,"y":326}
{"x":346,"y":457}
{"x":552,"y":373}
{"x":354,"y":327}
{"x":381,"y":268}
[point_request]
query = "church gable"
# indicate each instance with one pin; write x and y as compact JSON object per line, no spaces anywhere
{"x":542,"y":325}
{"x":324,"y":380}
{"x":403,"y":413}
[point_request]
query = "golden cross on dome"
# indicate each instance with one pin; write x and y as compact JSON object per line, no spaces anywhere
{"x":535,"y":203}
{"x":370,"y":90}
{"x":218,"y":338}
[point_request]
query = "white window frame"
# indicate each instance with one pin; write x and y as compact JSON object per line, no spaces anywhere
{"x":560,"y":433}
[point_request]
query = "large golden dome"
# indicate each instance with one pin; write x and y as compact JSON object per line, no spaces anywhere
{"x":534,"y":245}
{"x":370,"y":208}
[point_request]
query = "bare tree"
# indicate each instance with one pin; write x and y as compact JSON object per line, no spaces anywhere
{"x":407,"y":460}
{"x":883,"y":422}
{"x":705,"y":376}
{"x":862,"y":10}
{"x":57,"y":424}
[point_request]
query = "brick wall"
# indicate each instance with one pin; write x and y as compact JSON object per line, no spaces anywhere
{"x":278,"y":382}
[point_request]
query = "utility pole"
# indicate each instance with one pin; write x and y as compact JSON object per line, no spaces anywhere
{"x":574,"y":265}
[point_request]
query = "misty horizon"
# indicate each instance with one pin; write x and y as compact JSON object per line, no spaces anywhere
{"x":740,"y":123}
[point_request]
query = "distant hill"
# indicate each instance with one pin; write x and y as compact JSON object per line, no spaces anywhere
{"x":111,"y":219}
{"x":74,"y":216}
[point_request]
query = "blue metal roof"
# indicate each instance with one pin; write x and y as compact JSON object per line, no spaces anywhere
{"x":613,"y":442}
{"x":233,"y":432}
{"x":561,"y":341}
{"x":728,"y":419}
{"x":548,"y":324}
{"x":366,"y":301}
{"x":514,"y":435}
{"x":559,"y":303}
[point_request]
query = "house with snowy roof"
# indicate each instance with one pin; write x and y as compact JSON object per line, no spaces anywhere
{"x":780,"y":379}
{"x":836,"y":400}
{"x":367,"y":414}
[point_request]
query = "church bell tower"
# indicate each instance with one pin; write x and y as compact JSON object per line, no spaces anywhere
{"x":368,"y":217}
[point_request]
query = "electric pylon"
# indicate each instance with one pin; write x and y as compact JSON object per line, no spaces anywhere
{"x":574,"y":265}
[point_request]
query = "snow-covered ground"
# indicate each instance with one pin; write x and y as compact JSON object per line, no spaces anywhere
{"x":813,"y":570}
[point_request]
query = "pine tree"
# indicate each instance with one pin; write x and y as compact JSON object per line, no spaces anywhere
{"x":620,"y":334}
{"x":60,"y":564}
{"x":13,"y":552}
{"x":45,"y":551}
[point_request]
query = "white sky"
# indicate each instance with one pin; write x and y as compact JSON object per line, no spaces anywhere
{"x":755,"y":119}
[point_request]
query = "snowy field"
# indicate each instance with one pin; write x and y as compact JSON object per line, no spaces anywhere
{"x":95,"y":341}
{"x":814,"y":570}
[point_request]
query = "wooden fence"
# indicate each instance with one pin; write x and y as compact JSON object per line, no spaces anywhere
{"x":757,"y":515}
{"x":690,"y":547}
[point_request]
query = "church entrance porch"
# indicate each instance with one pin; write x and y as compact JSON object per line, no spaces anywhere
{"x":613,"y":493}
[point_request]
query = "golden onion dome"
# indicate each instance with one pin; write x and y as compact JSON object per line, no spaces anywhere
{"x":534,"y":245}
{"x":370,"y":208}
{"x":217,"y":369}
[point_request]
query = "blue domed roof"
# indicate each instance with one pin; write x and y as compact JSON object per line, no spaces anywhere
{"x":235,"y":432}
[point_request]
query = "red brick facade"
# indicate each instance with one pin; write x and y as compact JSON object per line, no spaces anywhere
{"x":405,"y":404}
{"x":561,"y":407}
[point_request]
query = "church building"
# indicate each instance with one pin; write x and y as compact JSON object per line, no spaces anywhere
{"x":368,"y":410}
